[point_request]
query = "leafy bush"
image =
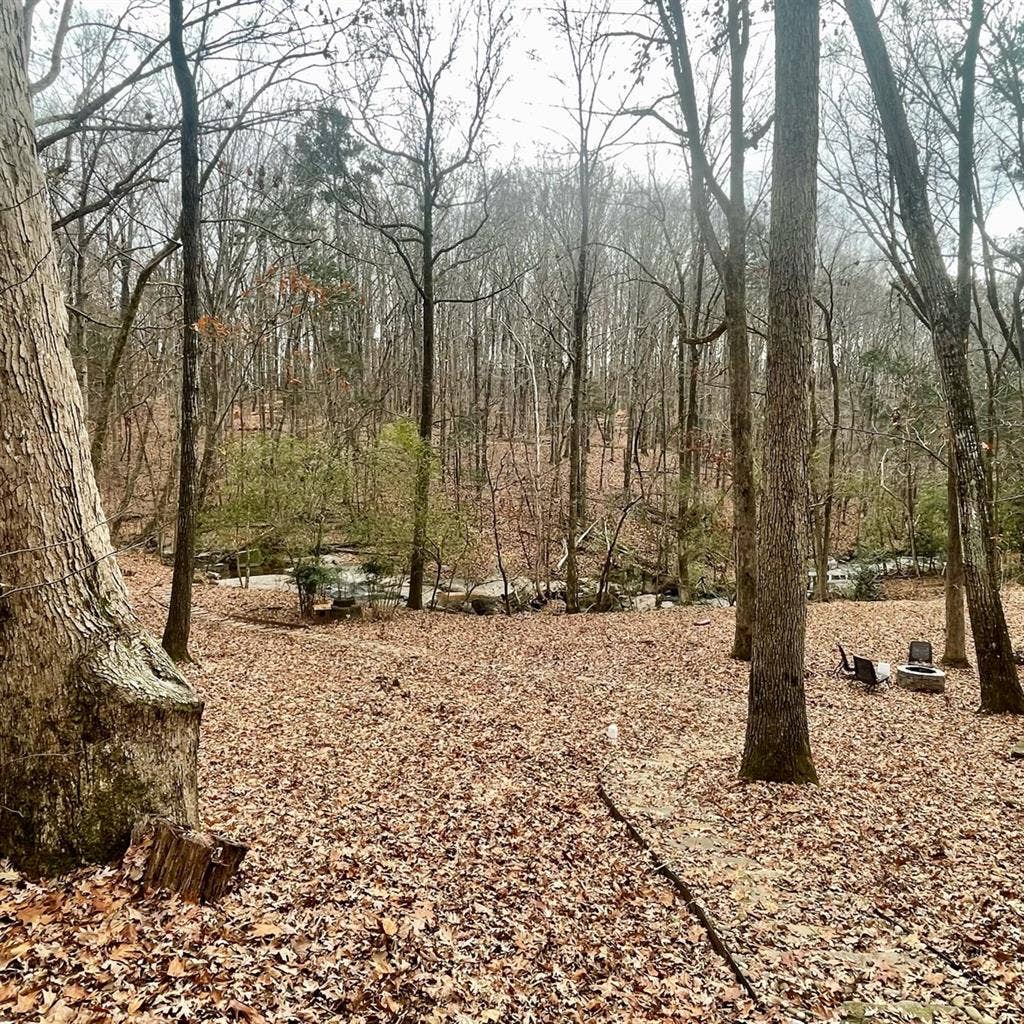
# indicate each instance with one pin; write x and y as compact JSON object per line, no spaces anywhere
{"x":385,"y":523}
{"x":278,"y":493}
{"x":930,"y":525}
{"x":866,"y":583}
{"x":311,"y":579}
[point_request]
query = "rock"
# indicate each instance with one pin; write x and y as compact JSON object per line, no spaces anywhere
{"x":920,"y":678}
{"x":270,"y":581}
{"x":855,"y":1012}
{"x":450,"y":600}
{"x":486,"y":605}
{"x":332,"y":613}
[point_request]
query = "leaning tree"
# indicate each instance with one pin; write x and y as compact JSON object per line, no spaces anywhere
{"x":948,"y":316}
{"x":97,"y":728}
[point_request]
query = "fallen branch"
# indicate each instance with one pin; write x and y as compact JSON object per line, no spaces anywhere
{"x":689,"y":898}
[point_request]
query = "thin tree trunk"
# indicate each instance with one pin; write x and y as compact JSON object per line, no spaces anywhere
{"x":421,"y":498}
{"x":97,"y":729}
{"x":179,"y":614}
{"x":577,"y":468}
{"x":730,"y":262}
{"x":737,"y":346}
{"x":777,"y":745}
{"x":955,"y":653}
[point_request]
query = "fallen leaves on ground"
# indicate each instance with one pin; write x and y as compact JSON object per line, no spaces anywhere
{"x":895,"y":883}
{"x":427,"y":844}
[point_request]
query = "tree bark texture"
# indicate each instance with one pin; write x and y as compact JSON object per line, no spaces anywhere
{"x":777,"y":745}
{"x":997,"y":673}
{"x":97,"y":729}
{"x":955,"y":652}
{"x":198,"y":866}
{"x":734,"y":280}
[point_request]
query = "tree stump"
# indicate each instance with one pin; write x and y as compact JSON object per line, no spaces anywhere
{"x":921,"y":678}
{"x":196,"y":865}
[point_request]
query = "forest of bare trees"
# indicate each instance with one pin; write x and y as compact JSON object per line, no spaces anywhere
{"x":679,"y":349}
{"x":325,"y":292}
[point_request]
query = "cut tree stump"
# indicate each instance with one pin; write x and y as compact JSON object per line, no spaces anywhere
{"x":196,"y":865}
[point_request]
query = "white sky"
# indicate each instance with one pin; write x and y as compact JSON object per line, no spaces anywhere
{"x":531,"y":114}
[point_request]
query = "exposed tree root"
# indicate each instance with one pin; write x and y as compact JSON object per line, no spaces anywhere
{"x":667,"y":872}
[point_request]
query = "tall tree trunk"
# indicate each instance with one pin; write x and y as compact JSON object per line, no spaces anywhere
{"x":777,"y":745}
{"x":577,"y":468}
{"x":97,"y":729}
{"x":737,"y":346}
{"x":730,"y":262}
{"x":833,"y":444}
{"x":685,"y":462}
{"x":421,"y":496}
{"x":179,"y":615}
{"x":997,"y":672}
{"x":955,"y":653}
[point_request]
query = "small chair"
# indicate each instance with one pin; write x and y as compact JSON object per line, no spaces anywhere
{"x":844,"y":669}
{"x":864,"y":672}
{"x":920,"y":653}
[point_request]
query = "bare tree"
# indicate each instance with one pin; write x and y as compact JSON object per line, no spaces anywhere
{"x":179,"y":615}
{"x":730,"y":261}
{"x":431,"y":179}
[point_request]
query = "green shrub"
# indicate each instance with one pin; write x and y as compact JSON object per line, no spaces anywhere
{"x":866,"y":583}
{"x":311,"y":579}
{"x":277,"y":493}
{"x":930,"y":522}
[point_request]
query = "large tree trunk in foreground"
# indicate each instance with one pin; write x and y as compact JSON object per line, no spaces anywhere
{"x":97,"y":729}
{"x":777,"y":745}
{"x":997,"y":672}
{"x":179,"y":615}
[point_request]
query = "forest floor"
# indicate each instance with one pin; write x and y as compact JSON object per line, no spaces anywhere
{"x":428,"y":844}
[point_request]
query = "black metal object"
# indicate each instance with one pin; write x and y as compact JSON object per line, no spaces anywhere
{"x":920,"y":652}
{"x":844,"y":668}
{"x":864,"y":672}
